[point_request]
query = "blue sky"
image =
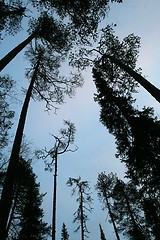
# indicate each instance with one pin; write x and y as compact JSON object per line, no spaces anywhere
{"x":96,"y":151}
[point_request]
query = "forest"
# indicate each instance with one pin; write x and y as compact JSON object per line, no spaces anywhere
{"x":56,"y":169}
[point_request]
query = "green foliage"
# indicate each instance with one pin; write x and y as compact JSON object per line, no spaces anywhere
{"x":64,"y":233}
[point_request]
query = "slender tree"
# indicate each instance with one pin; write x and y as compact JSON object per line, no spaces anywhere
{"x":127,"y":206}
{"x":84,"y":197}
{"x":7,"y":192}
{"x":104,"y":187}
{"x":52,"y":90}
{"x":64,"y":233}
{"x":61,"y":146}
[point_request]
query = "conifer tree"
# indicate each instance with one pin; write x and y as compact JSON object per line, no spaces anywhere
{"x":64,"y":233}
{"x":26,"y":218}
{"x":137,"y":138}
{"x":62,"y":145}
{"x":82,"y":189}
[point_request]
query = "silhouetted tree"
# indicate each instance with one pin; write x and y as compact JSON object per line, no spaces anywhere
{"x":128,"y":212}
{"x":136,"y":133}
{"x":125,"y":208}
{"x":31,"y":224}
{"x":6,"y":115}
{"x":132,"y":128}
{"x":48,"y":31}
{"x":82,"y":189}
{"x":46,"y":85}
{"x":26,"y":217}
{"x":102,"y":235}
{"x":61,"y":146}
{"x":12,"y":13}
{"x":104,"y":188}
{"x":116,"y":59}
{"x":120,"y":57}
{"x":84,"y":19}
{"x":64,"y":233}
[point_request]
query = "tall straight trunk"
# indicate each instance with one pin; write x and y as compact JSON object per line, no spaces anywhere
{"x":82,"y":218}
{"x":8,"y":58}
{"x":54,"y":200}
{"x":7,"y":192}
{"x":155,"y":92}
{"x":111,"y":216}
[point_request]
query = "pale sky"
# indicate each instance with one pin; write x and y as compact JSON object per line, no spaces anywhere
{"x":96,"y":151}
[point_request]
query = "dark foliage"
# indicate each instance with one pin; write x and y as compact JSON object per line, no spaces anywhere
{"x":6,"y":115}
{"x":82,"y":190}
{"x":64,"y":233}
{"x":12,"y":13}
{"x":136,"y":131}
{"x":27,"y":215}
{"x":83,"y":16}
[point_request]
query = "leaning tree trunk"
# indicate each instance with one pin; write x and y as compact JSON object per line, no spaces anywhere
{"x":12,"y":211}
{"x":155,"y":92}
{"x":8,"y":58}
{"x":7,"y":192}
{"x":111,"y":216}
{"x":138,"y":234}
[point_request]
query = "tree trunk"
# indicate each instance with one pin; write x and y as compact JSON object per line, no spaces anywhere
{"x":155,"y":92}
{"x":111,"y":216}
{"x":12,"y":211}
{"x":82,"y":220}
{"x":137,"y":228}
{"x":8,"y":58}
{"x":7,"y":192}
{"x":54,"y":200}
